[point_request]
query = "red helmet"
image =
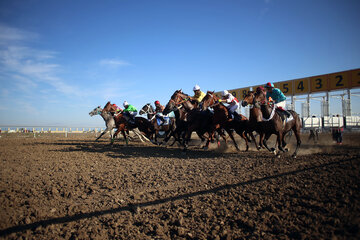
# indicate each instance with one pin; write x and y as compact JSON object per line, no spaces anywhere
{"x":269,"y":85}
{"x":157,"y":102}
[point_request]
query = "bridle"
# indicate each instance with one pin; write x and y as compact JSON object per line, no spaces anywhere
{"x":147,"y":110}
{"x":214,"y":102}
{"x":182,"y":99}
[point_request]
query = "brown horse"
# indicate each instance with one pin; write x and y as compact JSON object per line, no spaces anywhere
{"x":222,"y":120}
{"x":124,"y":126}
{"x":167,"y":128}
{"x":193,"y":119}
{"x":255,"y":120}
{"x":274,"y":124}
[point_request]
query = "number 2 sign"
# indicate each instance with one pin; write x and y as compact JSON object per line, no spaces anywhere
{"x":339,"y":80}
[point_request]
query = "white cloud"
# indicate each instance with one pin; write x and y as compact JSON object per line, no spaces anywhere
{"x":13,"y":34}
{"x":114,"y":63}
{"x":19,"y":60}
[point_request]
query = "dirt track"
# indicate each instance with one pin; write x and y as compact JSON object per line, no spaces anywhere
{"x":73,"y":188}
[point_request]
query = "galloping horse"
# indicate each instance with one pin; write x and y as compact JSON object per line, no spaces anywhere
{"x":110,"y":124}
{"x":195,"y":120}
{"x":168,"y":127}
{"x":109,"y":121}
{"x":149,"y":110}
{"x":122,"y":125}
{"x":273,"y":123}
{"x":221,"y":119}
{"x":255,"y":120}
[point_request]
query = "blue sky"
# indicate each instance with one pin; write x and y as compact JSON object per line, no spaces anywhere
{"x":60,"y":59}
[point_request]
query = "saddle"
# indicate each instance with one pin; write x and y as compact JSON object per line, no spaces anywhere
{"x":284,"y":115}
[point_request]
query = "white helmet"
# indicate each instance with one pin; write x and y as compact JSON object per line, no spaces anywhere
{"x":196,"y":87}
{"x":125,"y":103}
{"x":224,"y":93}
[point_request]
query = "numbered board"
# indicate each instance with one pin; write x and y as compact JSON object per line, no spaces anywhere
{"x":339,"y":80}
{"x":355,"y":78}
{"x":319,"y":83}
{"x":242,"y":93}
{"x":301,"y":86}
{"x":286,"y":87}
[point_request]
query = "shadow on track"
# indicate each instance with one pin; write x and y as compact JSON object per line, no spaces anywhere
{"x":133,"y":207}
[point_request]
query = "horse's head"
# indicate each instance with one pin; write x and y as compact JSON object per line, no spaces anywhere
{"x":147,"y":108}
{"x":209,"y":100}
{"x":248,"y":99}
{"x":96,"y":111}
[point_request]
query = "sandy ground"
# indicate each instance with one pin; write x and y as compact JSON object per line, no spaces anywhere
{"x":74,"y":188}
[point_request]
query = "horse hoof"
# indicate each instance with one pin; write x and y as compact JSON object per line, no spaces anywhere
{"x":278,"y":156}
{"x":293,"y":156}
{"x":286,"y":149}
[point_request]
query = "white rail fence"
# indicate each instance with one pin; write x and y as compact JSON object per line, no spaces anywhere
{"x":51,"y":129}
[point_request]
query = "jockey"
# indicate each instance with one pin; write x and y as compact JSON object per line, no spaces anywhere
{"x":198,"y":94}
{"x":158,"y":110}
{"x":277,"y":96}
{"x":129,"y":112}
{"x":158,"y":107}
{"x":233,"y":103}
{"x":118,"y":109}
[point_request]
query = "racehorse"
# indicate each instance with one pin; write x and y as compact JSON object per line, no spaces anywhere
{"x":255,"y":119}
{"x":168,"y":127}
{"x":110,"y":124}
{"x":194,"y":119}
{"x":274,"y":124}
{"x":149,"y":110}
{"x":221,"y":119}
{"x":122,"y":125}
{"x":109,"y":121}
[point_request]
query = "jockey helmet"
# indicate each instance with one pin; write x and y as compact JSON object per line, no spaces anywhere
{"x":196,"y":87}
{"x":269,"y":85}
{"x":224,"y":93}
{"x":125,"y":103}
{"x":157,"y":102}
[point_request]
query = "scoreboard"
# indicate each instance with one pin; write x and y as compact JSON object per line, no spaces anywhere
{"x":321,"y":83}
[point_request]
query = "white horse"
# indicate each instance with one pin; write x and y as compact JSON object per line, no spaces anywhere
{"x":110,"y":125}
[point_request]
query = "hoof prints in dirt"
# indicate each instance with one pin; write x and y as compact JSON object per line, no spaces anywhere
{"x":74,"y":188}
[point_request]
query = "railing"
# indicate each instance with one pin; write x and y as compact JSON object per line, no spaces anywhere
{"x":50,"y":129}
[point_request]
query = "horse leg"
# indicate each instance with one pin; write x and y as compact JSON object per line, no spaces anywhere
{"x":266,"y":137}
{"x":244,"y":136}
{"x":232,"y":138}
{"x":254,"y":140}
{"x":114,"y":136}
{"x":105,"y":131}
{"x":124,"y":134}
{"x":296,"y":130}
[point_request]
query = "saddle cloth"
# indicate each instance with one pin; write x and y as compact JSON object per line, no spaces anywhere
{"x":160,"y":122}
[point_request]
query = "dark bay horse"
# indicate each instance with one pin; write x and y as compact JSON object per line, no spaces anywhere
{"x":221,"y":119}
{"x":194,"y":119}
{"x":255,"y":119}
{"x":123,"y":126}
{"x":274,"y":124}
{"x":168,"y":128}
